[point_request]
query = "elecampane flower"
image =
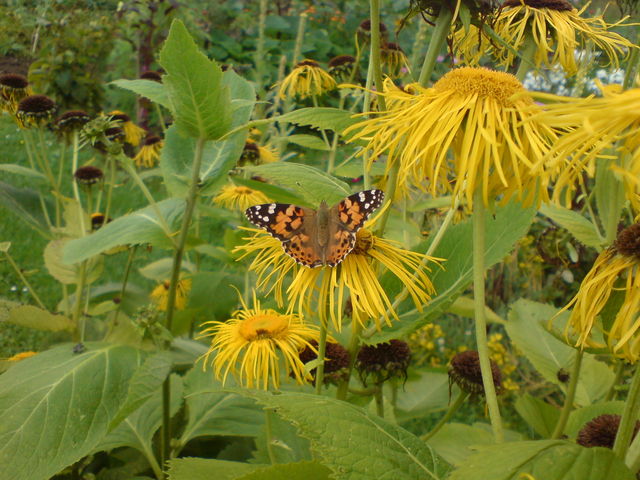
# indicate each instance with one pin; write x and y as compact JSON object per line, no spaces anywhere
{"x":255,"y":341}
{"x":239,"y":197}
{"x":472,"y":129}
{"x":160,"y":294}
{"x":149,"y":153}
{"x":307,"y":79}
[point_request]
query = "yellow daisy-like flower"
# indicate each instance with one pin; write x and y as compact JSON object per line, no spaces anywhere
{"x":558,"y":31}
{"x":133,"y":134}
{"x":240,"y":198}
{"x":616,"y":269}
{"x":160,"y":294}
{"x":481,"y":117}
{"x":255,"y":154}
{"x":593,"y":126}
{"x":252,"y":344}
{"x":355,"y":278}
{"x":149,"y":153}
{"x":307,"y":79}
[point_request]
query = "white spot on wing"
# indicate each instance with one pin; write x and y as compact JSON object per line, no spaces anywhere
{"x":272,"y":209}
{"x":265,"y":219}
{"x":258,"y":207}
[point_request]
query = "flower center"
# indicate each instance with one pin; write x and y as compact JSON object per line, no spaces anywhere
{"x":364,"y":241}
{"x":559,"y":5}
{"x":628,"y":241}
{"x":243,"y":191}
{"x":308,"y":63}
{"x":263,"y":325}
{"x":484,"y":83}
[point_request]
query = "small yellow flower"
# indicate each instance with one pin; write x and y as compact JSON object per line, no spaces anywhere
{"x":149,"y":153}
{"x":307,"y":79}
{"x":616,"y":270}
{"x":252,"y":344}
{"x":240,"y":198}
{"x":160,"y":294}
{"x":558,"y":31}
{"x":478,"y":115}
{"x":133,"y":133}
{"x":324,"y":290}
{"x":21,"y":356}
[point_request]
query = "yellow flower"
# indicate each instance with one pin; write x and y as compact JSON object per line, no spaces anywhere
{"x":240,"y":198}
{"x":324,"y":290}
{"x":307,"y":79}
{"x":133,"y":134}
{"x":252,"y":343}
{"x":21,"y":356}
{"x":477,"y":114}
{"x":615,"y":271}
{"x":558,"y":31}
{"x":149,"y":153}
{"x":394,"y":58}
{"x":593,"y":126}
{"x":160,"y":294}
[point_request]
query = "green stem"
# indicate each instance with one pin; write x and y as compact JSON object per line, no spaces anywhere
{"x":479,"y":311}
{"x":268,"y":430}
{"x":111,"y":162}
{"x":420,"y":40}
{"x":78,"y":317}
{"x":260,"y":56}
{"x":125,"y":280}
{"x":611,"y":394}
{"x":322,"y":350}
{"x":76,"y":190}
{"x":453,"y":408}
{"x":299,"y":38}
{"x":632,"y":64}
{"x":379,"y":398}
{"x":438,"y":38}
{"x":24,"y":280}
{"x":526,"y":56}
{"x":173,"y":288}
{"x":629,"y":417}
{"x":392,"y":185}
{"x":354,"y":346}
{"x":374,"y":58}
{"x":570,"y":396}
{"x":49,"y":173}
{"x":161,"y":118}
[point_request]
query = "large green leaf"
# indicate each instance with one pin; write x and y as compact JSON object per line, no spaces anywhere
{"x":582,"y":229}
{"x":69,"y":274}
{"x":31,"y":316}
{"x":609,"y":193}
{"x":353,"y":443}
{"x":26,"y":204}
{"x":207,"y":469}
{"x":526,"y":329}
{"x":306,"y":141}
{"x":279,"y":442}
{"x":321,"y":118}
{"x":23,"y":171}
{"x":310,"y":183}
{"x":144,"y":384}
{"x":287,"y":471}
{"x":543,"y":460}
{"x":199,"y":102}
{"x":154,"y":91}
{"x":422,"y":394}
{"x":540,"y":416}
{"x":214,"y":411}
{"x":274,"y":192}
{"x":138,"y":227}
{"x":56,"y":406}
{"x":503,"y":230}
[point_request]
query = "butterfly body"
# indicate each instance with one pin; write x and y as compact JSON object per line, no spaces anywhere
{"x":315,"y":238}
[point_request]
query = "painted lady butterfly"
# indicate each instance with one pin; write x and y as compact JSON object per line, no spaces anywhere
{"x":314,"y":238}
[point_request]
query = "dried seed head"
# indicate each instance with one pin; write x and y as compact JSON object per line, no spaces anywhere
{"x":628,"y":241}
{"x":88,"y":175}
{"x":336,"y":364}
{"x":465,"y":372}
{"x":152,"y":75}
{"x":384,"y":361}
{"x":558,"y":5}
{"x":601,"y":431}
{"x":35,"y":110}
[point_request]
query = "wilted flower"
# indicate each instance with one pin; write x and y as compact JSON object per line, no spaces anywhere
{"x":133,"y":134}
{"x":13,"y":88}
{"x":88,"y":175}
{"x":149,"y":153}
{"x":601,"y":431}
{"x":336,"y":361}
{"x":35,"y":111}
{"x":383,"y":361}
{"x":465,"y":372}
{"x":341,"y":67}
{"x":307,"y":79}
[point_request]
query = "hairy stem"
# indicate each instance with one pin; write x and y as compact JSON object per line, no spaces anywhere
{"x":438,"y":38}
{"x":453,"y":408}
{"x":570,"y":397}
{"x":629,"y":416}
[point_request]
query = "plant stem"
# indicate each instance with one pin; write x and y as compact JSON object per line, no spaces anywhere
{"x":299,"y":38}
{"x":112,"y":180}
{"x":24,"y":280}
{"x":76,"y":190}
{"x":632,"y":64}
{"x":322,"y":350}
{"x":354,"y":345}
{"x":438,"y":38}
{"x":570,"y":396}
{"x":173,"y":288}
{"x":260,"y":56}
{"x":374,"y":58}
{"x":453,"y":408}
{"x":268,"y":430}
{"x":479,"y":310}
{"x":420,"y":40}
{"x":526,"y":56}
{"x":78,"y":308}
{"x":379,"y":398}
{"x":125,"y":280}
{"x":629,"y":416}
{"x":611,"y":394}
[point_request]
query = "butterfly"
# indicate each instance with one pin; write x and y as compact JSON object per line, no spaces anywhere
{"x":314,"y":238}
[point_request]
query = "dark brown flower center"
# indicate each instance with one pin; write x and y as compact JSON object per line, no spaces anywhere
{"x":466,"y":373}
{"x":628,"y":241}
{"x":558,"y":5}
{"x":308,"y":63}
{"x":36,"y":105}
{"x":152,"y":140}
{"x":151,"y":75}
{"x":13,"y":80}
{"x":341,"y":60}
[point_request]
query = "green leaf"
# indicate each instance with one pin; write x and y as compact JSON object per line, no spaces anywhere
{"x":464,"y":307}
{"x":279,"y":440}
{"x":544,"y":460}
{"x":23,"y":171}
{"x":25,"y":204}
{"x":5,"y":246}
{"x":307,"y":141}
{"x":56,"y":407}
{"x":320,"y":118}
{"x":65,"y":273}
{"x":526,"y":329}
{"x":455,"y":442}
{"x":579,"y":417}
{"x":310,"y":183}
{"x":503,"y":230}
{"x":199,"y":102}
{"x":373,"y":448}
{"x":423,"y":394}
{"x":154,"y":91}
{"x":609,"y":193}
{"x":212,"y":411}
{"x":33,"y":317}
{"x":287,"y":471}
{"x":218,"y":158}
{"x":138,"y":429}
{"x":353,"y":169}
{"x":207,"y":469}
{"x":582,"y":229}
{"x":145,"y":382}
{"x":540,"y":416}
{"x":275,"y":193}
{"x":141,"y":226}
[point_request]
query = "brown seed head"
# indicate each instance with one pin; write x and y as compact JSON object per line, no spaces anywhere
{"x":384,"y":361}
{"x":465,"y":372}
{"x":88,"y":175}
{"x":13,"y":81}
{"x":558,"y":5}
{"x":628,"y":241}
{"x":601,"y":431}
{"x":336,"y":362}
{"x":152,"y":75}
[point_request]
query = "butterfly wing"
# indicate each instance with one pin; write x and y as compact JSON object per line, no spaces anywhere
{"x":294,"y":226}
